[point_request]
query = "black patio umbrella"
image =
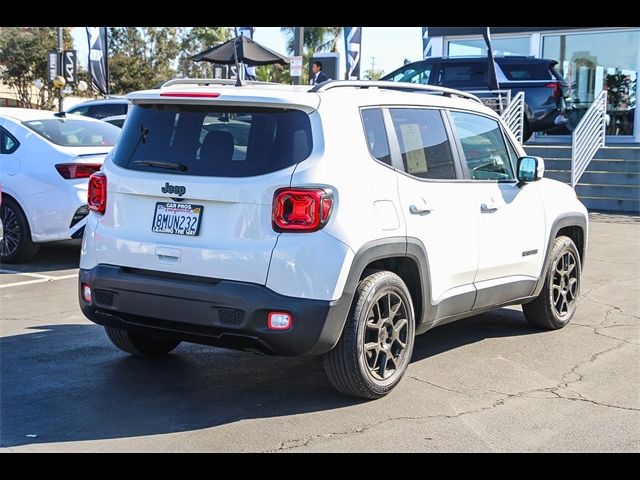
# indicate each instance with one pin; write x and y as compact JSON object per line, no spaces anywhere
{"x":241,"y":49}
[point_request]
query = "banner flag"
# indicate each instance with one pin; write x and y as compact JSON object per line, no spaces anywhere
{"x":353,"y":41}
{"x":98,"y":59}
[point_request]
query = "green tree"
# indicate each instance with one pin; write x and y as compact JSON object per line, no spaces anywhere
{"x":23,"y":59}
{"x":141,"y":57}
{"x":334,"y":37}
{"x":316,"y":39}
{"x":127,"y":74}
{"x":273,"y":73}
{"x":195,"y":40}
{"x":374,"y":74}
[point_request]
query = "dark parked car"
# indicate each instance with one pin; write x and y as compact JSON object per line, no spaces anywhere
{"x":102,"y":108}
{"x":544,"y":87}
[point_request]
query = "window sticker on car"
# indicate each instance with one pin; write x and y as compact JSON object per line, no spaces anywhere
{"x":412,"y":140}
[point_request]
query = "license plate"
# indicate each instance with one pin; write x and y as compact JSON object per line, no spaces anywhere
{"x":177,"y":218}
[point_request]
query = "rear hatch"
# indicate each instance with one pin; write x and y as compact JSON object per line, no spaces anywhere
{"x":190,"y":187}
{"x":542,"y":84}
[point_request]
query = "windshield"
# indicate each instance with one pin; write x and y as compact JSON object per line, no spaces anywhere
{"x":209,"y":140}
{"x":75,"y":132}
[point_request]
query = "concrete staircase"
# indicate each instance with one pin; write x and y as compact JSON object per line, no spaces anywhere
{"x":611,"y":182}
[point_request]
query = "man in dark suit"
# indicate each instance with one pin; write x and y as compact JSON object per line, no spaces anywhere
{"x":318,"y":76}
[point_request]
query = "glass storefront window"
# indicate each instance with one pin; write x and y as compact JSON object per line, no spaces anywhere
{"x":592,"y":61}
{"x":477,"y":47}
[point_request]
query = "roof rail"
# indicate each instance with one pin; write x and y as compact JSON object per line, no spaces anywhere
{"x":412,"y":87}
{"x":209,"y":81}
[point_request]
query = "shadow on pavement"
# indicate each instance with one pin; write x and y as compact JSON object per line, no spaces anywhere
{"x":68,"y":383}
{"x":52,"y":256}
{"x":504,"y":322}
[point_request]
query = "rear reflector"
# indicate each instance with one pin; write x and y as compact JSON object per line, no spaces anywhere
{"x":190,"y":94}
{"x":301,"y":209}
{"x":86,"y":293}
{"x":97,"y":194}
{"x":279,"y":321}
{"x":71,"y":171}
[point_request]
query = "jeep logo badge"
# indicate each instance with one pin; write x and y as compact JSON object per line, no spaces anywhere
{"x":177,"y":189}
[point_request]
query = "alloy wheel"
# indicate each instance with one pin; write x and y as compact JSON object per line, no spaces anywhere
{"x":564,"y":292}
{"x":386,"y":336}
{"x":12,"y":232}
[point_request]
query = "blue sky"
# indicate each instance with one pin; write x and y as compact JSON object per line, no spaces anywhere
{"x":389,"y":45}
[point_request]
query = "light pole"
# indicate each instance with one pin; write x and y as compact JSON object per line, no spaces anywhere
{"x":298,"y":43}
{"x":60,"y":71}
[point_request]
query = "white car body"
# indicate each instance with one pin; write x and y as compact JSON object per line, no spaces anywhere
{"x":474,"y":244}
{"x":29,"y":176}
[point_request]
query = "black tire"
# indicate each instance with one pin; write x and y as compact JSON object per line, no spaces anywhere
{"x":351,"y":367}
{"x":556,"y":304}
{"x":16,"y":245}
{"x":140,"y":344}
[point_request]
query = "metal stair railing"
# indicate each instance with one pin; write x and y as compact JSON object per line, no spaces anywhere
{"x":588,"y":137}
{"x":513,"y":116}
{"x":496,"y":100}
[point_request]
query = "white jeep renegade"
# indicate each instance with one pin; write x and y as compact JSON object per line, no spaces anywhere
{"x":340,"y":220}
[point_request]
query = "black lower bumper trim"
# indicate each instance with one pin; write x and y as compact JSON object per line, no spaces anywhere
{"x":78,"y":233}
{"x":223,"y":313}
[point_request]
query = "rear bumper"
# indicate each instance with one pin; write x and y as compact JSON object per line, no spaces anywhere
{"x":547,"y":120}
{"x":209,"y":311}
{"x":51,"y":212}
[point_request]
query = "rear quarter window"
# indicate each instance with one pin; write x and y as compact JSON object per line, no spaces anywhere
{"x":376,"y":134}
{"x":459,"y":74}
{"x":216,"y":141}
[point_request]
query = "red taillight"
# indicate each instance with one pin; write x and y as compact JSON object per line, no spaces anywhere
{"x":190,"y":94}
{"x":556,"y":88}
{"x":71,"y":171}
{"x":301,"y":209}
{"x":97,"y":194}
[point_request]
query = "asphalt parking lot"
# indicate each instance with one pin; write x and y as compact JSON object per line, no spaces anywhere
{"x":489,"y":383}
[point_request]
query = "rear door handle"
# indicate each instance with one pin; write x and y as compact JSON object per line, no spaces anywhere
{"x":419,"y":211}
{"x":491,"y":208}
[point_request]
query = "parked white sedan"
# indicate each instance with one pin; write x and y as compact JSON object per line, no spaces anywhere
{"x":45,"y":162}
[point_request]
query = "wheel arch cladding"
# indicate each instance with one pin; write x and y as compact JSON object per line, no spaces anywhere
{"x":573,"y":224}
{"x":407,"y":269}
{"x":406,"y":257}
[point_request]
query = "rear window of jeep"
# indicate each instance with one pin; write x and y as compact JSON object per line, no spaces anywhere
{"x":218,"y":141}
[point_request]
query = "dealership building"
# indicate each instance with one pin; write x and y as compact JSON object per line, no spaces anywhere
{"x":590,"y":59}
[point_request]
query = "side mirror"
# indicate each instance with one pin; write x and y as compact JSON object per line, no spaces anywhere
{"x":530,"y":169}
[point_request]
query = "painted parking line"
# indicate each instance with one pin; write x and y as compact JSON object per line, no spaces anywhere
{"x":26,"y":274}
{"x":39,"y":280}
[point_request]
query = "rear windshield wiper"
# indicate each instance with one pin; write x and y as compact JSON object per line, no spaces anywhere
{"x":168,"y":165}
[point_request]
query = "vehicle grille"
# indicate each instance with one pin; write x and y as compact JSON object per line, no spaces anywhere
{"x":103,"y":297}
{"x":231,"y":316}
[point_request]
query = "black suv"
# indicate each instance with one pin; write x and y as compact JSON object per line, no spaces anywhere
{"x":544,"y":87}
{"x":101,"y":108}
